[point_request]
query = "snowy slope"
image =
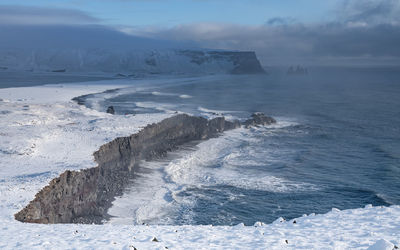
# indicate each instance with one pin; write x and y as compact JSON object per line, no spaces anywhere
{"x":129,"y":62}
{"x":44,"y":133}
{"x":96,"y":48}
{"x":355,"y":229}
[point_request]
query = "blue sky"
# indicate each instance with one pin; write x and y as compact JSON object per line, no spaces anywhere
{"x":175,"y":12}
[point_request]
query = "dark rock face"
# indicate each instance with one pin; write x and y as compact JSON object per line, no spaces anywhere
{"x":259,"y":119}
{"x":111,"y":110}
{"x":244,"y":62}
{"x":59,"y":70}
{"x":84,"y":196}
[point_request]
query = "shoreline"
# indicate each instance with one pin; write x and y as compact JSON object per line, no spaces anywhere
{"x":370,"y":224}
{"x":86,"y":196}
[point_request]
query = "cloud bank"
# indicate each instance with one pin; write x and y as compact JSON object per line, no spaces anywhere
{"x":365,"y":31}
{"x":20,"y":15}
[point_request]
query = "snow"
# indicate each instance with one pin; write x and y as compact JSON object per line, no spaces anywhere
{"x":43,"y":133}
{"x":356,"y":228}
{"x":138,"y":60}
{"x":381,"y":245}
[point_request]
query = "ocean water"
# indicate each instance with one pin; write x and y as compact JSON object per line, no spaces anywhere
{"x":10,"y":79}
{"x":336,"y":145}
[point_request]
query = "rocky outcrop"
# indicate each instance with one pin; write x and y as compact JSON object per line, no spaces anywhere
{"x":110,"y":110}
{"x":242,"y":62}
{"x":259,"y":119}
{"x":84,"y":196}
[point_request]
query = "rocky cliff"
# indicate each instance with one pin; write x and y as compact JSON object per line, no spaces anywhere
{"x":131,"y":62}
{"x":84,"y":196}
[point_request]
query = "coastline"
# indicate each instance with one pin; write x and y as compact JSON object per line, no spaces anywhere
{"x":366,"y":219}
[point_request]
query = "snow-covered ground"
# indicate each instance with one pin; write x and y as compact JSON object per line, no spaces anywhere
{"x":357,"y":228}
{"x":43,"y":133}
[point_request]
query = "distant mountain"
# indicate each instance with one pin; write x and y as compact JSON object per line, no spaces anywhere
{"x":101,"y":49}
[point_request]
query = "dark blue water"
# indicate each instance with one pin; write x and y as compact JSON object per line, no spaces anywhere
{"x":10,"y":79}
{"x":340,"y":146}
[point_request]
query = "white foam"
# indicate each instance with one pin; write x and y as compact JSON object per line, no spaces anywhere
{"x":158,"y":93}
{"x":193,"y":168}
{"x":183,"y":96}
{"x":164,"y":107}
{"x":214,"y":111}
{"x":218,"y":161}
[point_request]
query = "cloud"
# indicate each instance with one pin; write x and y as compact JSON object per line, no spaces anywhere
{"x":370,"y":12}
{"x":280,"y":21}
{"x":363,"y":30}
{"x":21,"y":15}
{"x":366,"y":30}
{"x":285,"y":43}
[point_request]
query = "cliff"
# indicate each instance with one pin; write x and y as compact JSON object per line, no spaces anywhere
{"x":126,"y":62}
{"x":84,"y":196}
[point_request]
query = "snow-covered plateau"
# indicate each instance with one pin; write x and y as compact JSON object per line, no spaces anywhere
{"x":43,"y":133}
{"x":130,"y":63}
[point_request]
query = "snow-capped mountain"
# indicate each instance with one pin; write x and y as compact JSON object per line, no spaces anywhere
{"x":100,"y":49}
{"x":130,"y":61}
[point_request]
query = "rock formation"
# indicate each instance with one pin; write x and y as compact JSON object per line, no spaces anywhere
{"x":84,"y":196}
{"x":110,"y":110}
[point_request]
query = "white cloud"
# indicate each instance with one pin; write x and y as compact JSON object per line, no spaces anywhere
{"x":18,"y":15}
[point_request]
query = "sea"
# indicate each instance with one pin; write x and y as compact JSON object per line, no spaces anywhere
{"x":336,"y":144}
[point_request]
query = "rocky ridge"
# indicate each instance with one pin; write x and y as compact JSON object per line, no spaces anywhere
{"x":85,"y":196}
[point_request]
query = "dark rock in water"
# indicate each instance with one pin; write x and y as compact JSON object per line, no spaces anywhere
{"x":110,"y":110}
{"x":258,"y":119}
{"x":84,"y":196}
{"x":59,"y":70}
{"x":299,"y":70}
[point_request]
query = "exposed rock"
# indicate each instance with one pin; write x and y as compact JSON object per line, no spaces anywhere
{"x":59,"y":70}
{"x":110,"y":110}
{"x":244,"y":62}
{"x":84,"y":196}
{"x":299,"y":70}
{"x":258,"y":119}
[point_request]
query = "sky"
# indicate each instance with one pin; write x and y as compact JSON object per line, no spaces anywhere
{"x":310,"y":31}
{"x":175,"y":12}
